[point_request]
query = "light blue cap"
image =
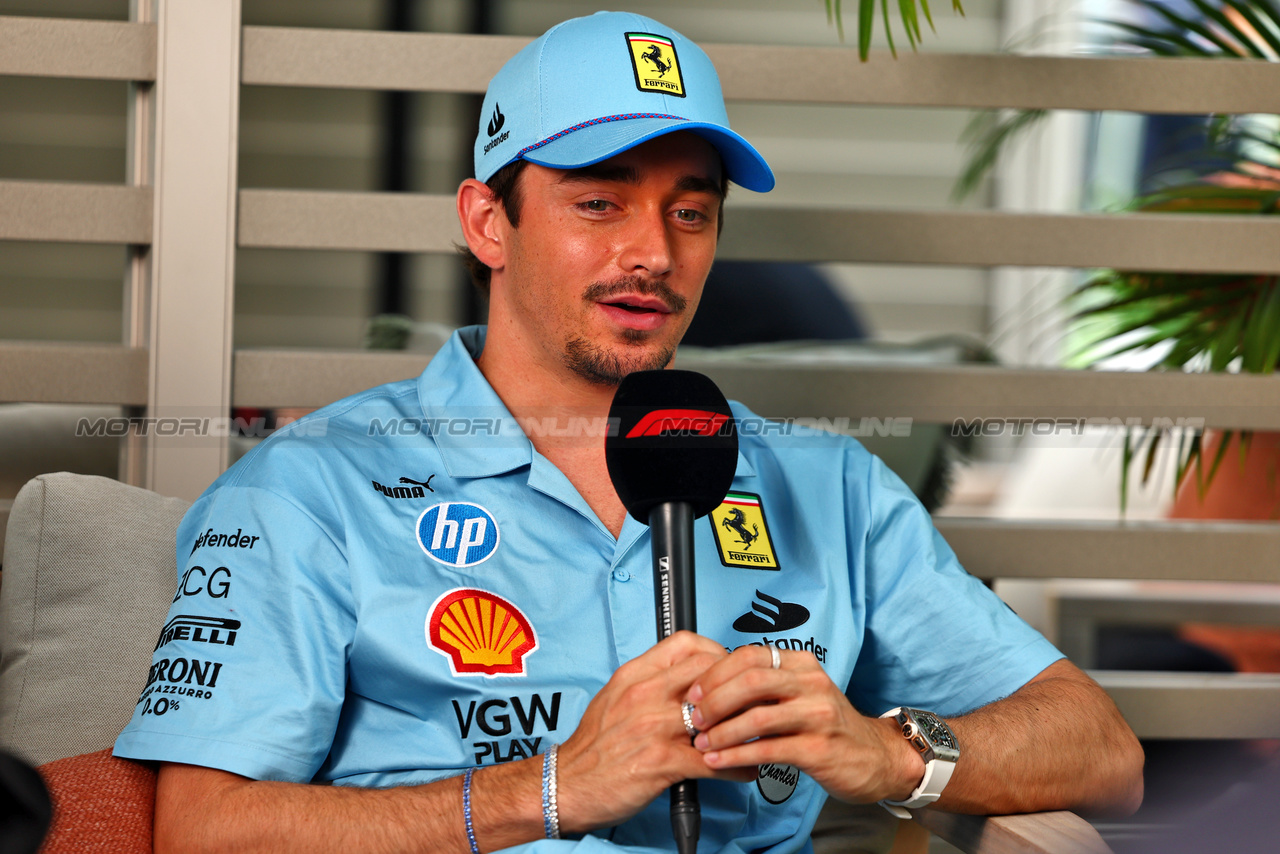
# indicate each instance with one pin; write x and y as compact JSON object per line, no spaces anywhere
{"x":592,"y":87}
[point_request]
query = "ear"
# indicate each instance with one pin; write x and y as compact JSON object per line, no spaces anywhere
{"x":479,"y":214}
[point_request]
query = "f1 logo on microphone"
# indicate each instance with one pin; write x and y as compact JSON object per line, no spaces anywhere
{"x":457,"y":533}
{"x":684,"y":422}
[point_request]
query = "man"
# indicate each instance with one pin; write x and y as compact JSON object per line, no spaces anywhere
{"x":437,"y":576}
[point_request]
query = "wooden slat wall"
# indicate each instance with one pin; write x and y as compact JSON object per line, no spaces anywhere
{"x":399,"y":222}
{"x":937,"y":395}
{"x":57,"y":47}
{"x":1181,"y":551}
{"x":74,"y":213}
{"x":280,"y":56}
{"x":73,"y":373}
{"x":435,"y":62}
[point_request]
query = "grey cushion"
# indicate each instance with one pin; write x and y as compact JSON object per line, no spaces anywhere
{"x":89,"y":574}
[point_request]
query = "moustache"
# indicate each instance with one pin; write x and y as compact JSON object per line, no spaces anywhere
{"x":602,"y":291}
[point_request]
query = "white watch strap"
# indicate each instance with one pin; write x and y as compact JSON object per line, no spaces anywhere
{"x":937,"y":773}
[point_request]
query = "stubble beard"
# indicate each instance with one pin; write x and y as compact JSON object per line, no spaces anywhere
{"x":606,"y":366}
{"x":600,"y":366}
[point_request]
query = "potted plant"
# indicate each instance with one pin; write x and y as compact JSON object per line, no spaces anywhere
{"x":1206,"y":322}
{"x":1209,"y":322}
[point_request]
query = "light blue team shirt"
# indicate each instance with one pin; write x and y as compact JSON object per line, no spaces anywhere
{"x":398,"y":587}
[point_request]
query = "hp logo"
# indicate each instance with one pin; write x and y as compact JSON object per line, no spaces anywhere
{"x":458,"y":534}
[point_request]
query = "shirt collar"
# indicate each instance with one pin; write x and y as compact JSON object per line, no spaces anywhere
{"x":476,"y":434}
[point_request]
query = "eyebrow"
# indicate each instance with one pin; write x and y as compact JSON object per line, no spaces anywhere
{"x":631,"y":175}
{"x":698,"y":184}
{"x":598,"y":172}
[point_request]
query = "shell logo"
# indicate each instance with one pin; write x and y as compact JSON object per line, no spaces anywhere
{"x":480,"y":632}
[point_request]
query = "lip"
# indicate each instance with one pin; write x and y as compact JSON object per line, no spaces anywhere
{"x":655,"y":317}
{"x":639,"y":301}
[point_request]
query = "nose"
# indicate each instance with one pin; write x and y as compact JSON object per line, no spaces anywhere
{"x":647,"y":248}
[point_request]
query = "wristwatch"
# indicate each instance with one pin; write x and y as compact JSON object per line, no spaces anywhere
{"x":936,"y":744}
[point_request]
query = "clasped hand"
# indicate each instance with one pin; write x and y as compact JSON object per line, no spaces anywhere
{"x":632,"y":744}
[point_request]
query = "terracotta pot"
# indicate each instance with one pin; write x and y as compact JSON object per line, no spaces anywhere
{"x":1238,"y":491}
{"x":1250,"y":492}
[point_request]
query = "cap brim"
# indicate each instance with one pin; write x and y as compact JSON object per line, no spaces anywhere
{"x":743,"y":164}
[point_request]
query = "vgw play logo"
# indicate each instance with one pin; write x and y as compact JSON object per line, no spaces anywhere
{"x":458,"y":534}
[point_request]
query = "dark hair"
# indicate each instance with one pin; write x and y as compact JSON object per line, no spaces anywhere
{"x":505,"y":186}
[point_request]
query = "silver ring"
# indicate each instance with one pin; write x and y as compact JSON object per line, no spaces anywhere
{"x":686,"y":711}
{"x":775,"y":658}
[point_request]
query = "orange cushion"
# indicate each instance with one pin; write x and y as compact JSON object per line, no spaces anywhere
{"x":101,"y":805}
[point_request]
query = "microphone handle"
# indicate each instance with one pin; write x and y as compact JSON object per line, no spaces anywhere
{"x":671,"y":533}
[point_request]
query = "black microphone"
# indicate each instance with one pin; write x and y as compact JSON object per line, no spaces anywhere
{"x":671,"y":451}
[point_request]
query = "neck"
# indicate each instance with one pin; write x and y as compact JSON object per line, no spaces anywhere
{"x":571,"y":413}
{"x":549,"y":394}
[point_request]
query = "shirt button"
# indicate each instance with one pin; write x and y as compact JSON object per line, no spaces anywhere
{"x":621,"y":575}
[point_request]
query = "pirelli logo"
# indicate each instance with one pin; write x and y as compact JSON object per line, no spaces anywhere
{"x":742,"y":533}
{"x":201,"y":629}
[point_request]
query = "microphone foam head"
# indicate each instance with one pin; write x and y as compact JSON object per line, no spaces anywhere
{"x":675,"y":440}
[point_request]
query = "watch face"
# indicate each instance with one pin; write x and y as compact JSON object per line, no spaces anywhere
{"x":938,"y":740}
{"x":938,"y":732}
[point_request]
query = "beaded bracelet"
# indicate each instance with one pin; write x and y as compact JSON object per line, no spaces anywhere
{"x":550,"y":808}
{"x":466,"y":810}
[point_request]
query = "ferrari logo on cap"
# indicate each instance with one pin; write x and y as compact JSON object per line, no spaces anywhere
{"x":742,"y":534}
{"x":653,"y":58}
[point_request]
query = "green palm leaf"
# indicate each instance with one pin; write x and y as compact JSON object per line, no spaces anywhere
{"x":1202,"y":483}
{"x":1174,"y":42}
{"x":1181,"y":22}
{"x":1265,"y":24}
{"x":1169,"y":39}
{"x":986,"y":134}
{"x":1245,"y":44}
{"x":888,"y":30}
{"x":907,"y":9}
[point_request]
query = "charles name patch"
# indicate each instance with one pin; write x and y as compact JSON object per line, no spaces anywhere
{"x":777,"y":783}
{"x":742,"y":534}
{"x":654,"y":60}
